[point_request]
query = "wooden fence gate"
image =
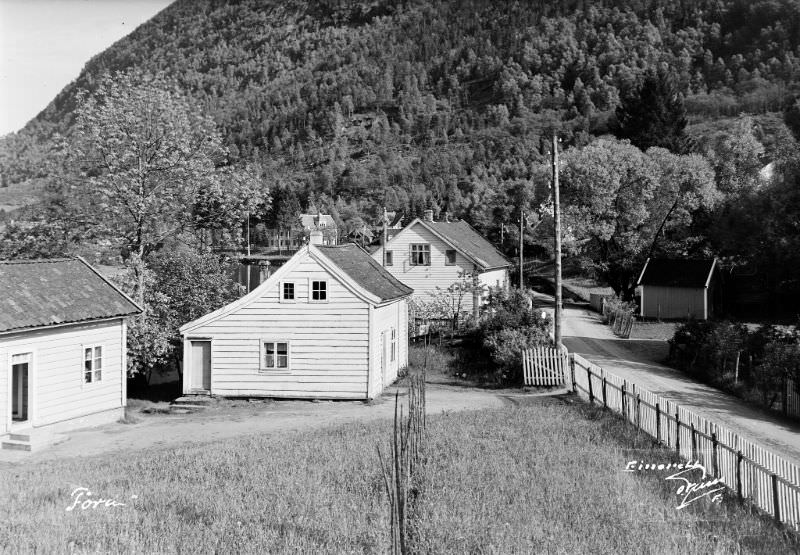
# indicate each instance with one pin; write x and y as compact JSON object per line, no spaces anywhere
{"x":545,"y":366}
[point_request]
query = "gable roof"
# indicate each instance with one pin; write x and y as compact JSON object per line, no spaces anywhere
{"x":43,"y":293}
{"x":365,"y":271}
{"x":677,"y":272}
{"x":317,"y":221}
{"x":373,"y":284}
{"x":463,"y":237}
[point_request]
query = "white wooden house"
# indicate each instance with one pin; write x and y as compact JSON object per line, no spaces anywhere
{"x":330,"y":323}
{"x":426,"y":255}
{"x":678,"y":289}
{"x":62,"y":349}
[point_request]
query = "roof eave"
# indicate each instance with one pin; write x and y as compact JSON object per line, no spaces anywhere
{"x":64,"y":324}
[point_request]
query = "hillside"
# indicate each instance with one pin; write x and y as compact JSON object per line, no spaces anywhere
{"x":427,"y":103}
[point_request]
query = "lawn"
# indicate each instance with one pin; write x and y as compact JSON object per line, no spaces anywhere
{"x":547,"y":477}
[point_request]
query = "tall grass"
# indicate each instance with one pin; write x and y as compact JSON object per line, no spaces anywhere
{"x":529,"y":479}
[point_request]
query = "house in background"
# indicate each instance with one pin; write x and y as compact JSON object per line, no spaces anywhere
{"x":294,"y":239}
{"x":330,"y":323}
{"x":427,"y":254}
{"x":323,"y":223}
{"x":678,"y":289}
{"x":62,"y":349}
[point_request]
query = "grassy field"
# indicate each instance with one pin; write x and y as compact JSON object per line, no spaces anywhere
{"x":541,"y":478}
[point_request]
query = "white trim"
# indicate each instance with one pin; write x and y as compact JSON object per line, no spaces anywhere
{"x":187,"y":363}
{"x":370,"y":350}
{"x":253,"y":295}
{"x":65,"y":324}
{"x":262,"y":369}
{"x":281,"y":284}
{"x":311,"y":281}
{"x":641,"y":275}
{"x":124,"y":362}
{"x":711,"y":272}
{"x":32,"y":405}
{"x":92,"y":346}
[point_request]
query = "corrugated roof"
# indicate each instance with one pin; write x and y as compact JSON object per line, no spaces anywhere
{"x":41,"y":293}
{"x":464,"y":237}
{"x":365,"y":271}
{"x":676,"y":272}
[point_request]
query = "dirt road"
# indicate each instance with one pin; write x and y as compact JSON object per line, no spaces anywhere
{"x":233,"y":419}
{"x":638,"y":361}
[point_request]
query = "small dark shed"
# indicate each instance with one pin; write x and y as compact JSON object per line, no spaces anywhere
{"x":682,"y":289}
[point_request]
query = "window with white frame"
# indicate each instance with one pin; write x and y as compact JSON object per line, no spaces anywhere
{"x":393,"y":350}
{"x":450,"y":257}
{"x":388,"y":258}
{"x":274,"y":355}
{"x":420,"y":255}
{"x":319,"y":290}
{"x":288,"y":291}
{"x":92,"y":363}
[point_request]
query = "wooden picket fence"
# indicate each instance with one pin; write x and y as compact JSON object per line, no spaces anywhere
{"x":750,"y":471}
{"x":545,"y":366}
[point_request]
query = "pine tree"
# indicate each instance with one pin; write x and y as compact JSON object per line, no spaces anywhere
{"x":653,"y":114}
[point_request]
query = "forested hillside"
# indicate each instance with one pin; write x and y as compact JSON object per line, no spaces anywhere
{"x":352,"y":106}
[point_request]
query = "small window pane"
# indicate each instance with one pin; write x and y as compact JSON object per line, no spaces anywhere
{"x":269,"y":349}
{"x":450,"y":257}
{"x":388,"y":258}
{"x":87,"y":355}
{"x":98,"y":352}
{"x":98,"y":376}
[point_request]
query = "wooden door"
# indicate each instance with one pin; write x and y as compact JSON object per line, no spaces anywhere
{"x":201,"y":364}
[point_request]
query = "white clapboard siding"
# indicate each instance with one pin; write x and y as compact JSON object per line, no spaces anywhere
{"x":328,"y":342}
{"x":749,"y":470}
{"x":425,"y":279}
{"x":58,"y":392}
{"x":545,"y":366}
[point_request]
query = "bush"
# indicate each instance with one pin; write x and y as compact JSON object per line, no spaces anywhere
{"x":510,"y":327}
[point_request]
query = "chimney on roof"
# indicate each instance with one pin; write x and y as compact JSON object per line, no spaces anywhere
{"x":428,"y":215}
{"x":315,"y":237}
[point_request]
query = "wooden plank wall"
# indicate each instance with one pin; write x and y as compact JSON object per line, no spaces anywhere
{"x":749,"y":470}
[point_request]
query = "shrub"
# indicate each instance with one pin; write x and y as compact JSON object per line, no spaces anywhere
{"x":510,"y":327}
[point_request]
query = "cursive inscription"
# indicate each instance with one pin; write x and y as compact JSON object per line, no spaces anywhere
{"x":692,"y":487}
{"x":83,"y":499}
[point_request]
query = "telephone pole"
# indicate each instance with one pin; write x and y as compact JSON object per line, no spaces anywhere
{"x":557,"y":245}
{"x":521,"y":228}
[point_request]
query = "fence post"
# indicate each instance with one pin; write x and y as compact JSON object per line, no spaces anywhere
{"x":624,"y":413}
{"x":605,"y":404}
{"x":591,"y":394}
{"x":694,"y":443}
{"x":572,"y":372}
{"x":739,"y":458}
{"x":714,"y":457}
{"x":678,"y":431}
{"x":638,"y":412}
{"x":775,"y":499}
{"x":658,"y":423}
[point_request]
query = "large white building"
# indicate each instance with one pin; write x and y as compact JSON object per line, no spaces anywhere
{"x":426,"y":255}
{"x":330,"y":323}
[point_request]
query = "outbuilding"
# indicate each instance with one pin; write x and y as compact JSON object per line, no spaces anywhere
{"x":330,"y":323}
{"x":62,"y":349}
{"x":678,"y":289}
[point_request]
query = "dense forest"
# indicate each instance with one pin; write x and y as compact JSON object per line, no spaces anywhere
{"x":352,"y":106}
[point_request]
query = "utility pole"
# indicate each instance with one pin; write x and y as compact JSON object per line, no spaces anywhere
{"x":521,"y":228}
{"x":502,"y":225}
{"x":557,"y":245}
{"x":385,"y":225}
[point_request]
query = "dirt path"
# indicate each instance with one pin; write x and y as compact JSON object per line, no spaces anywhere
{"x":242,"y":418}
{"x":638,"y":362}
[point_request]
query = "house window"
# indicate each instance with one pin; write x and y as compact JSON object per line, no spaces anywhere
{"x":275,"y":355}
{"x":420,"y":255}
{"x":393,"y":350}
{"x":92,"y":364}
{"x":287,"y":293}
{"x":388,"y":257}
{"x":319,"y":290}
{"x":450,"y":257}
